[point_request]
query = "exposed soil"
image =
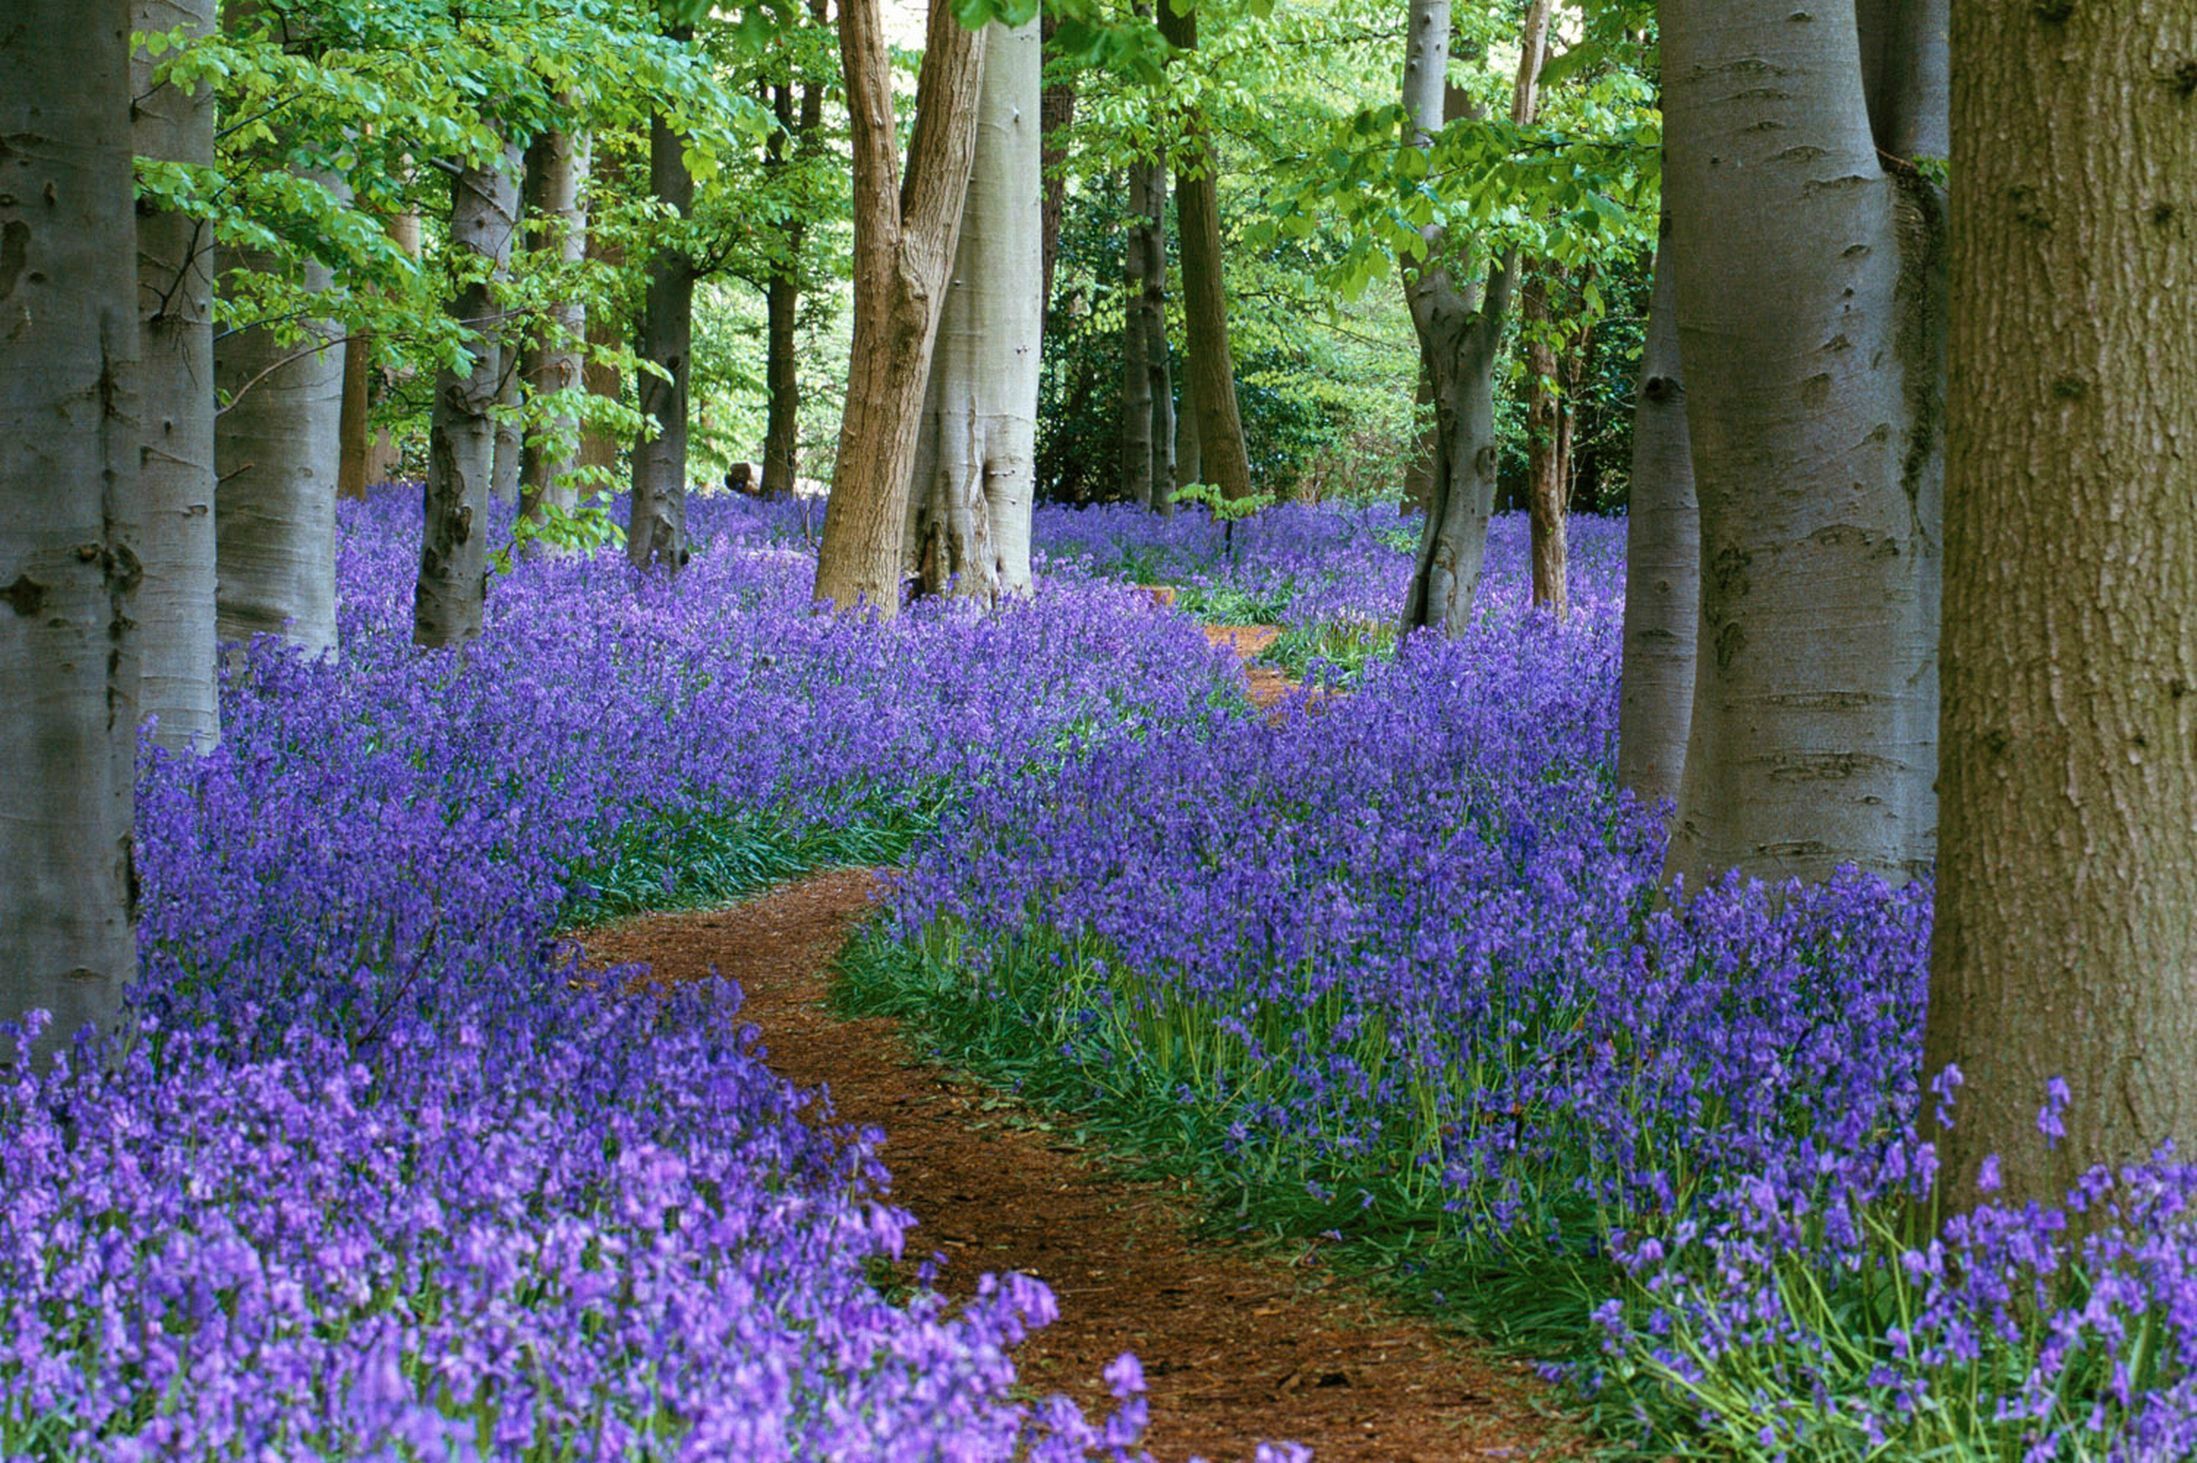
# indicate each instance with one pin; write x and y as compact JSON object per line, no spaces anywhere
{"x":1240,"y":1344}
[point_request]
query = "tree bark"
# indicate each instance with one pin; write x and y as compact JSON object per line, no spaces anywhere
{"x":599,"y":450}
{"x":1547,"y":484}
{"x":2064,"y":944}
{"x":1460,"y":330}
{"x":70,"y":445}
{"x":176,"y":477}
{"x":556,"y":179}
{"x":1148,"y":393}
{"x":657,"y":532}
{"x":1662,"y":563}
{"x":905,"y":235}
{"x":1189,"y":450}
{"x":976,"y":455}
{"x":797,"y":134}
{"x":1811,"y":312}
{"x":1209,"y":367}
{"x":452,"y":592}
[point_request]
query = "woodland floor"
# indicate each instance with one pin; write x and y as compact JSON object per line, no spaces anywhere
{"x":1240,"y":1343}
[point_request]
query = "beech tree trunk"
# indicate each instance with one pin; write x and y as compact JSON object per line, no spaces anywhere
{"x":1460,"y":329}
{"x":657,"y":532}
{"x":1547,"y":471}
{"x":175,"y":288}
{"x":452,"y":591}
{"x":2067,"y":869}
{"x":510,"y":437}
{"x":976,"y":455}
{"x":1808,"y":251}
{"x":556,"y":178}
{"x":70,"y":444}
{"x":1189,"y":451}
{"x":797,"y":134}
{"x":1209,"y":367}
{"x":905,"y":235}
{"x":1662,"y":563}
{"x":599,"y":450}
{"x":1148,"y":393}
{"x":276,"y":444}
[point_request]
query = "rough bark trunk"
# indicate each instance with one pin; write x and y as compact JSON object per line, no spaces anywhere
{"x":1209,"y":367}
{"x":176,"y":479}
{"x":1547,"y":495}
{"x":556,"y":178}
{"x":2067,"y":871}
{"x":657,"y":532}
{"x":70,"y":444}
{"x":353,"y":433}
{"x":906,"y":232}
{"x":1460,"y":329}
{"x":1057,"y":113}
{"x":453,"y":582}
{"x":1810,"y":309}
{"x":1662,"y":564}
{"x":975,"y":471}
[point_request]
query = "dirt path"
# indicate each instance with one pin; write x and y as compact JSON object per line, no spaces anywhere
{"x":1238,"y":1345}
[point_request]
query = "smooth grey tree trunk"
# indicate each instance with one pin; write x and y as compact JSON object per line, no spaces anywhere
{"x":451,"y":595}
{"x":175,"y":289}
{"x":1662,"y":564}
{"x":657,"y":531}
{"x":556,"y":180}
{"x":1809,"y":267}
{"x":1460,"y":330}
{"x":69,"y":449}
{"x":2065,"y":945}
{"x":277,"y":449}
{"x":975,"y":474}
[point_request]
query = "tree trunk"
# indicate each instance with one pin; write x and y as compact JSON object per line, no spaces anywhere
{"x":1662,"y":563}
{"x":1057,"y":113}
{"x":905,"y":235}
{"x":353,"y":431}
{"x":276,"y":448}
{"x":1148,"y":391}
{"x":1810,"y":311}
{"x":556,"y":178}
{"x":453,"y":582}
{"x":176,"y":480}
{"x":1189,"y":451}
{"x":1419,"y":466}
{"x":1136,"y":339}
{"x":70,"y":444}
{"x":2067,"y":870}
{"x":599,"y":450}
{"x":1209,"y":367}
{"x":1460,"y":329}
{"x":782,"y":366}
{"x":976,"y":455}
{"x":1547,"y":495}
{"x":657,"y":532}
{"x":509,"y":461}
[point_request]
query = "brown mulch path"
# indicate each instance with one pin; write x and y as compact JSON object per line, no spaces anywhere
{"x":1240,"y":1344}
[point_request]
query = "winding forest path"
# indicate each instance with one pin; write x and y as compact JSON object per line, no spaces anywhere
{"x":1239,"y":1344}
